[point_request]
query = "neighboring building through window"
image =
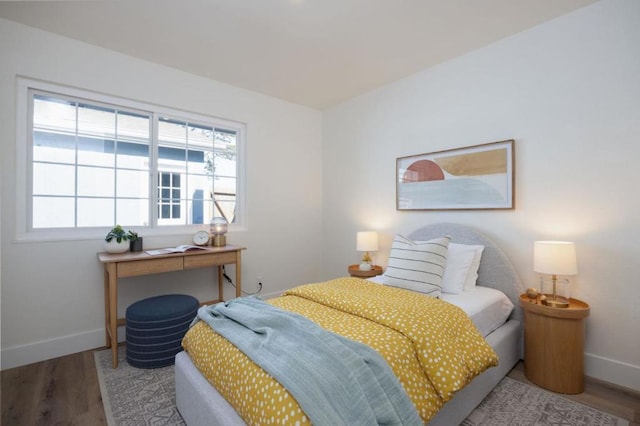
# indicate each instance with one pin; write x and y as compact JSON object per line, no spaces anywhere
{"x":168,"y":197}
{"x":94,"y":164}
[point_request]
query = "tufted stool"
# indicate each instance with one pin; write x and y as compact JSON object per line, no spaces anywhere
{"x":155,"y":328}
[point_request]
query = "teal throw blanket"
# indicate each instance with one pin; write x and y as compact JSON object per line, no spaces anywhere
{"x":335,"y":380}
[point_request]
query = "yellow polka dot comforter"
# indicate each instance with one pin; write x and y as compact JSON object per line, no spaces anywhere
{"x":432,"y":346}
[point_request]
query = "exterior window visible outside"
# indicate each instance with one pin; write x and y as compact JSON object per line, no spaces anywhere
{"x":95,"y":164}
{"x":168,"y":197}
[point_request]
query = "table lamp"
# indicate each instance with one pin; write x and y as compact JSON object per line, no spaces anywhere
{"x":366,"y":241}
{"x":555,"y":258}
{"x":218,"y":229}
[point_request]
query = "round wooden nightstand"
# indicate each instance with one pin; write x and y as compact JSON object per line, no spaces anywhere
{"x":554,"y":345}
{"x":354,"y":271}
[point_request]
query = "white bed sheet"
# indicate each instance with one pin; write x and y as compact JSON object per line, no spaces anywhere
{"x":487,"y":307}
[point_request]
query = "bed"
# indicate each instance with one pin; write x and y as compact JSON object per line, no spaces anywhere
{"x":200,"y":403}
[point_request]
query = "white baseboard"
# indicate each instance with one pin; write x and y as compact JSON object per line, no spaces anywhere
{"x":612,"y":371}
{"x":43,"y":350}
{"x":271,"y":295}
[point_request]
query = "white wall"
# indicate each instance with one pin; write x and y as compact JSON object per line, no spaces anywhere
{"x":568,"y":92}
{"x":52,"y":292}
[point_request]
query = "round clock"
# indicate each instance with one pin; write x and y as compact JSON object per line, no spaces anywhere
{"x":201,"y":238}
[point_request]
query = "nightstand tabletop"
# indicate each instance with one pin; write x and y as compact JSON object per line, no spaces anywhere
{"x":354,"y":271}
{"x":577,"y":308}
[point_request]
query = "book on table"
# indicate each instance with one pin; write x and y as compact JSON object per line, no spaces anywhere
{"x":178,"y":249}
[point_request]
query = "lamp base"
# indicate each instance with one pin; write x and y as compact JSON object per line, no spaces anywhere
{"x":557,"y":302}
{"x":219,"y":240}
{"x":364,"y":266}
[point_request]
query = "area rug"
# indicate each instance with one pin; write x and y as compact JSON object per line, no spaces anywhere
{"x":513,"y":403}
{"x":135,"y":397}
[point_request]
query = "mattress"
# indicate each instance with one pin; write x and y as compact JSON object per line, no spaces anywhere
{"x":414,"y":340}
{"x":487,"y":307}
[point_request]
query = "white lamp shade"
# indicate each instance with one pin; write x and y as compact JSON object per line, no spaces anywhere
{"x":367,"y":241}
{"x":555,"y":258}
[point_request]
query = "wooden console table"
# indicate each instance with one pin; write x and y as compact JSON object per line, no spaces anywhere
{"x":140,"y":263}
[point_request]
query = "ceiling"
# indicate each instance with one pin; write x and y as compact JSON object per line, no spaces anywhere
{"x":316,"y":53}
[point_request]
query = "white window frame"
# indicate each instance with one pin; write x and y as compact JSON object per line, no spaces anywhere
{"x":23,"y":232}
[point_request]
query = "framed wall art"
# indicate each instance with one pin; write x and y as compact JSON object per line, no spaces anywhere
{"x":478,"y":177}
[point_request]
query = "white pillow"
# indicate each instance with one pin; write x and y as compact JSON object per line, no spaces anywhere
{"x":472,"y":275}
{"x":459,"y":260}
{"x":417,"y":266}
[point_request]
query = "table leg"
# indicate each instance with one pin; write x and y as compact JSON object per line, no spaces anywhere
{"x":238,"y":274}
{"x":106,"y":307}
{"x":220,"y":284}
{"x":113,"y":313}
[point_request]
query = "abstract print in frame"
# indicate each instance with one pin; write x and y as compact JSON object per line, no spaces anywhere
{"x":477,"y":177}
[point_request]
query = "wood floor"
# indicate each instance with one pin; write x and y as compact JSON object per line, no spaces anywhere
{"x":61,"y":391}
{"x":65,"y":391}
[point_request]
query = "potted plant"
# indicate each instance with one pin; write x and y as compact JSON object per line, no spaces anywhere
{"x":135,"y":241}
{"x":117,"y":240}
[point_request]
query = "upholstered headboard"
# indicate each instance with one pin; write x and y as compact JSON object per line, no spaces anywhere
{"x":495,"y":269}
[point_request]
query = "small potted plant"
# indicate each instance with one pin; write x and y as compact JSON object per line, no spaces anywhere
{"x":117,"y":240}
{"x":135,"y":241}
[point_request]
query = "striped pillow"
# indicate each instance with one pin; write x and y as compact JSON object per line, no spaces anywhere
{"x":417,"y":266}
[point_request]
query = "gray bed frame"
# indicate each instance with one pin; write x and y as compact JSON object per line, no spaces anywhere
{"x":199,"y":403}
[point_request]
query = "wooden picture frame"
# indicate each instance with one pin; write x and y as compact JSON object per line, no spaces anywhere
{"x":478,"y":177}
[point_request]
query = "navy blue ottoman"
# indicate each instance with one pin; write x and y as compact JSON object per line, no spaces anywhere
{"x":155,"y":328}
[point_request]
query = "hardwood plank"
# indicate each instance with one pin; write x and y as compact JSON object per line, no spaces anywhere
{"x":59,"y":391}
{"x":17,"y":405}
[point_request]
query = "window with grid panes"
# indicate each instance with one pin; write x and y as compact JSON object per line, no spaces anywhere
{"x":95,"y":164}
